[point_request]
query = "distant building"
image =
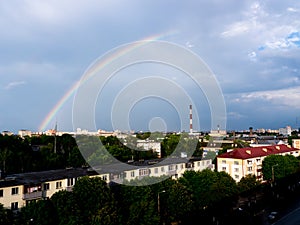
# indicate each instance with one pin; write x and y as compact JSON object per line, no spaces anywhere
{"x":6,"y":132}
{"x":80,"y":131}
{"x":287,"y":131}
{"x":296,"y":143}
{"x":150,"y":145}
{"x":24,"y":133}
{"x":267,"y":142}
{"x":104,"y":133}
{"x":272,"y":131}
{"x":243,"y":161}
{"x":260,"y":130}
{"x":218,"y":132}
{"x":50,"y":132}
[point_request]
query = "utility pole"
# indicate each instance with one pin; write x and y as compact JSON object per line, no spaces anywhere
{"x":158,"y":203}
{"x":55,"y":130}
{"x":273,"y":178}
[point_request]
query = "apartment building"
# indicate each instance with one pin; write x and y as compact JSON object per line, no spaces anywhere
{"x":173,"y":167}
{"x":17,"y":190}
{"x":243,"y":161}
{"x":296,"y":143}
{"x":155,"y":146}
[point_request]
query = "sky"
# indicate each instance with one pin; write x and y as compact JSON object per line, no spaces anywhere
{"x":251,"y":47}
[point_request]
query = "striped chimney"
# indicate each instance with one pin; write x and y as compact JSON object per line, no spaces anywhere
{"x":191,"y":119}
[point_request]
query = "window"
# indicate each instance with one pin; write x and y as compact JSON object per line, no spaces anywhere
{"x":155,"y":170}
{"x":1,"y":193}
{"x":132,"y":173}
{"x":224,"y":168}
{"x":236,"y":176}
{"x":46,"y":186}
{"x":236,"y":162}
{"x":171,"y":167}
{"x":15,"y":191}
{"x":236,"y":169}
{"x":143,"y":172}
{"x":14,"y":206}
{"x":70,"y":182}
{"x":162,"y":169}
{"x":58,"y":184}
{"x":223,"y":161}
{"x":249,"y":162}
{"x":250,"y":168}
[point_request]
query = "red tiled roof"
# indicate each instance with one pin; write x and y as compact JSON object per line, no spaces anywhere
{"x":248,"y":153}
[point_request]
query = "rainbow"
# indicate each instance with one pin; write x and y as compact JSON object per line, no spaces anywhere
{"x":89,"y":73}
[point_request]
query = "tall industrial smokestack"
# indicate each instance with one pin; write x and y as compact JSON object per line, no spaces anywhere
{"x":191,"y":119}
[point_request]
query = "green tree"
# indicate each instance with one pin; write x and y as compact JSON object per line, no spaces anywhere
{"x":66,"y":208}
{"x":143,"y":136}
{"x":169,"y":144}
{"x":181,"y":143}
{"x":278,"y":166}
{"x":41,"y":212}
{"x":4,"y":155}
{"x":138,"y":205}
{"x":95,"y":202}
{"x":248,"y":183}
{"x":179,"y":203}
{"x":6,"y":216}
{"x":209,"y":187}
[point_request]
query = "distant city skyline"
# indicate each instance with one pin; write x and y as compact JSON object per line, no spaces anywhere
{"x":252,"y":48}
{"x":287,"y":130}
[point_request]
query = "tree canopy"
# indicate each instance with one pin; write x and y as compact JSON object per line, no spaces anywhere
{"x":279,"y":166}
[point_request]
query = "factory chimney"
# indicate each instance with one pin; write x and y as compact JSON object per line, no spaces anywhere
{"x":191,"y":119}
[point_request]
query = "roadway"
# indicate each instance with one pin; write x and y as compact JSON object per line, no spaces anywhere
{"x":291,"y":216}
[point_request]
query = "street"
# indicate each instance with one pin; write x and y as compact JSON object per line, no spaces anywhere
{"x":292,"y":218}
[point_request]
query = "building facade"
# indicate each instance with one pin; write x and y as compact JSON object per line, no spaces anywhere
{"x":296,"y":143}
{"x":155,"y":146}
{"x":244,"y":161}
{"x":17,"y":190}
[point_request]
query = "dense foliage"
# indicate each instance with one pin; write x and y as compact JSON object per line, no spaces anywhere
{"x":279,"y":166}
{"x":38,"y":153}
